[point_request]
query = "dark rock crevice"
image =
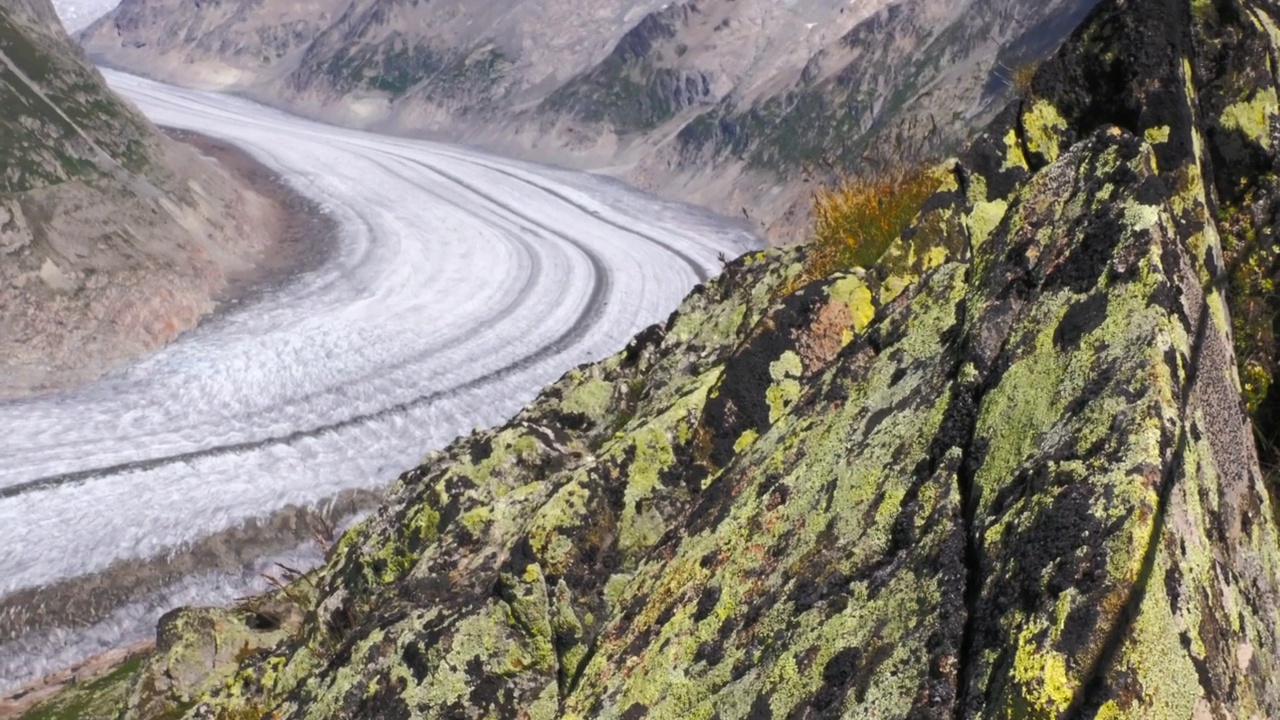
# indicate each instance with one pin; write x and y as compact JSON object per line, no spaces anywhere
{"x":967,"y":398}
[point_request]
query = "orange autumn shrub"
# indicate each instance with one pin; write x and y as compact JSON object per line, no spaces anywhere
{"x":857,"y":220}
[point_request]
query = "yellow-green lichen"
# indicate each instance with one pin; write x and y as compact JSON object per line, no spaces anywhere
{"x":1140,"y":217}
{"x":1045,"y":688}
{"x":591,"y":398}
{"x":1013,"y":158}
{"x":1254,"y":117}
{"x":744,"y":440}
{"x":1154,"y":655}
{"x":1043,"y":127}
{"x":984,"y":218}
{"x":893,"y":286}
{"x":986,"y":213}
{"x":1157,"y":135}
{"x":641,"y":524}
{"x":785,"y":389}
{"x":854,"y":293}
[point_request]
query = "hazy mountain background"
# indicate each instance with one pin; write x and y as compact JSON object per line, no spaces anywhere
{"x":729,"y":103}
{"x":76,"y":14}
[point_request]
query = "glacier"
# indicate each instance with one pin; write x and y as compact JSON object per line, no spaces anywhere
{"x":461,"y":283}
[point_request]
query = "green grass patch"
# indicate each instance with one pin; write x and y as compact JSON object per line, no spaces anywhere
{"x":100,"y":699}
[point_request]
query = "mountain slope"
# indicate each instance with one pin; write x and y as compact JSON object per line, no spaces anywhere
{"x":1006,"y":473}
{"x":112,"y":238}
{"x":712,"y":100}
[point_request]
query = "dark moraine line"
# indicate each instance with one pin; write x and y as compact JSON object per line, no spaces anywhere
{"x":689,"y":260}
{"x":526,"y":289}
{"x":86,"y":599}
{"x":601,"y":284}
{"x":521,"y":217}
{"x":702,"y":274}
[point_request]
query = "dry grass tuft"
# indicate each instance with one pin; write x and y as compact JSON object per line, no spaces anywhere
{"x":1023,"y":75}
{"x":857,"y":220}
{"x":858,"y":211}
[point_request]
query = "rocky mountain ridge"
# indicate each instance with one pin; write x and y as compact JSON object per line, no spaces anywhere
{"x":113,"y":239}
{"x":725,"y":102}
{"x":1007,"y":472}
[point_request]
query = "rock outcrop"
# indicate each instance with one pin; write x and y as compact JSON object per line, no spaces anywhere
{"x":113,"y":239}
{"x":1007,"y":473}
{"x":713,"y":100}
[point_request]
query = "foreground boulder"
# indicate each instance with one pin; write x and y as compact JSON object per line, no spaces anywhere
{"x":1009,"y":473}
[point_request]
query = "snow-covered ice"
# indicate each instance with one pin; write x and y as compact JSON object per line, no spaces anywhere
{"x":462,"y":283}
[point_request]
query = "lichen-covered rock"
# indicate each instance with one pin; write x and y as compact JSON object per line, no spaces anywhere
{"x":87,"y":696}
{"x":1007,"y":473}
{"x":198,"y":649}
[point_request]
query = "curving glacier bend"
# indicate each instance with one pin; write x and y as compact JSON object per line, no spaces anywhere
{"x":461,"y":283}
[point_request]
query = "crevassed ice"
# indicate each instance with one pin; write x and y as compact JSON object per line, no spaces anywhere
{"x":460,"y":285}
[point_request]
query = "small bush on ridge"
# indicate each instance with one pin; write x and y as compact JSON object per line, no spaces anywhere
{"x":857,"y":220}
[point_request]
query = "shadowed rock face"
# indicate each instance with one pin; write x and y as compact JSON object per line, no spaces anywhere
{"x":1008,"y":473}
